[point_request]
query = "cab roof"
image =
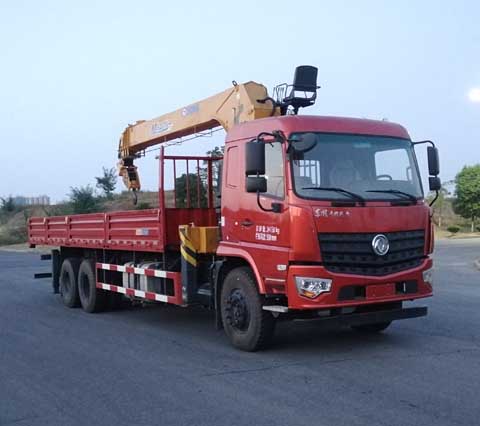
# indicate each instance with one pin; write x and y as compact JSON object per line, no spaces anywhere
{"x":311,"y":123}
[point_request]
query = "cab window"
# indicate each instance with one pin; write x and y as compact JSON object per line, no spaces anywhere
{"x":232,"y":168}
{"x":274,"y":172}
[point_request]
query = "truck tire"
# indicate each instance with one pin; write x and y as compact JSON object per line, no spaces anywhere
{"x":372,"y":328}
{"x":91,"y":298}
{"x":246,"y":324}
{"x":68,"y":282}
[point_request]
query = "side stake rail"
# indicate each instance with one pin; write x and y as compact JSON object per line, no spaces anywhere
{"x":175,"y":277}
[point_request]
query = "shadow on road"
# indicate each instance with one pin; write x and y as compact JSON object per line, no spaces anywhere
{"x":197,"y":325}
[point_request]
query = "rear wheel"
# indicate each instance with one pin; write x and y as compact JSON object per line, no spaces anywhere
{"x":68,"y":282}
{"x":91,"y":298}
{"x":372,"y":328}
{"x":246,"y":324}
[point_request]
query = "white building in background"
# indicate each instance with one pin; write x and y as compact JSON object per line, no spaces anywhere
{"x":41,"y":200}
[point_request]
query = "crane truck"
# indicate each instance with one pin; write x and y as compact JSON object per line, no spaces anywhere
{"x":320,"y":218}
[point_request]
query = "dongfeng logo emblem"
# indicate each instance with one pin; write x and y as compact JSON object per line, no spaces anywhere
{"x":380,"y":245}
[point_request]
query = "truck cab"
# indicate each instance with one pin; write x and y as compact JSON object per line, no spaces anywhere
{"x":328,"y":213}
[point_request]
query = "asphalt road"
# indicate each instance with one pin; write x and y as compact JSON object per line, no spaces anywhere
{"x":168,"y":366}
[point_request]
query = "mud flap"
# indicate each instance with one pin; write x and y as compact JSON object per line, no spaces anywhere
{"x":215,"y":272}
{"x":56,"y":265}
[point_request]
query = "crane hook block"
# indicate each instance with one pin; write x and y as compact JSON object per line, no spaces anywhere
{"x":128,"y":171}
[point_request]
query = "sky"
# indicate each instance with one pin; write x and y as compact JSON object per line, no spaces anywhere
{"x":73,"y":74}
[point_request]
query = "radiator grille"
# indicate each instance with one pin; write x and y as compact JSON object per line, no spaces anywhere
{"x":352,"y":253}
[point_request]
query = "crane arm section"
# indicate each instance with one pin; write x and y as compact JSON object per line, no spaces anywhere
{"x":225,"y":109}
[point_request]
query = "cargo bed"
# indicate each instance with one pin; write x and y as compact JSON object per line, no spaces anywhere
{"x":141,"y":230}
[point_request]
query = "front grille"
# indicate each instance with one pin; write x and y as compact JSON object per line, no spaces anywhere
{"x":352,"y":253}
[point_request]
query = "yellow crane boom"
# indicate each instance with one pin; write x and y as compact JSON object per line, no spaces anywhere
{"x":243,"y":102}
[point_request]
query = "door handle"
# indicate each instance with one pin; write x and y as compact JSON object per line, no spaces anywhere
{"x":247,"y":223}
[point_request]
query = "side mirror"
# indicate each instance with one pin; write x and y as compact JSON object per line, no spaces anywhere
{"x":304,"y":143}
{"x":254,"y":158}
{"x":256,"y":184}
{"x":434,"y":183}
{"x":433,"y":161}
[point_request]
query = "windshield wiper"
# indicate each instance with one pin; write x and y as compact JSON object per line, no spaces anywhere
{"x":406,"y":195}
{"x":352,"y":195}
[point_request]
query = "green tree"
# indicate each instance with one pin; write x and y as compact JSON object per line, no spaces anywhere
{"x":193,"y":193}
{"x":216,"y":152}
{"x":439,"y":206}
{"x":467,"y":191}
{"x":216,"y":171}
{"x":198,"y":184}
{"x":83,"y":200}
{"x":107,"y":182}
{"x":7,"y":204}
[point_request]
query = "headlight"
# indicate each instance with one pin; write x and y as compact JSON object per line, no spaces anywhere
{"x":312,"y":287}
{"x":428,"y":276}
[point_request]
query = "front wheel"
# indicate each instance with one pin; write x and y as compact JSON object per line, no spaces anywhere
{"x":246,"y":324}
{"x":372,"y":328}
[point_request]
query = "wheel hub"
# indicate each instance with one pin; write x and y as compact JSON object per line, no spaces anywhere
{"x":239,"y":316}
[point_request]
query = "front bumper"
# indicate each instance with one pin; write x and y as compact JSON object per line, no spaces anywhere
{"x":375,"y":317}
{"x":384,"y":289}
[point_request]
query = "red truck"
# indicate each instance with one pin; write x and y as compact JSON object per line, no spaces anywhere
{"x":320,"y":218}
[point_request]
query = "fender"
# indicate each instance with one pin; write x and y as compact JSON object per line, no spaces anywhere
{"x":227,"y":250}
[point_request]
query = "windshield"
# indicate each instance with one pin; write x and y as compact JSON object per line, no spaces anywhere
{"x":358,"y":164}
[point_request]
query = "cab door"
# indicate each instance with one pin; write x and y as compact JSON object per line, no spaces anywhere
{"x":264,"y":234}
